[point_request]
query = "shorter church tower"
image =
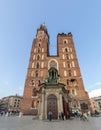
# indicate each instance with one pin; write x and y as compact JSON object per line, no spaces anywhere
{"x":53,"y":83}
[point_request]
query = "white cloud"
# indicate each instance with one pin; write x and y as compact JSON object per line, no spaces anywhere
{"x":95,"y":93}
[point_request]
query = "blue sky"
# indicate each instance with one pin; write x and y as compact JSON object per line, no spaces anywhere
{"x":19,"y":20}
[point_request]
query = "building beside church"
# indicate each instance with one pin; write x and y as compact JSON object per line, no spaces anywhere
{"x":95,"y":104}
{"x":11,"y":103}
{"x":53,"y":83}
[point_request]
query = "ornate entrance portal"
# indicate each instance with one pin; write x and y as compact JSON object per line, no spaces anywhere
{"x":52,"y":106}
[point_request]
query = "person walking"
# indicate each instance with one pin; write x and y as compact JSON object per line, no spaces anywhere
{"x":85,"y":116}
{"x":62,"y":115}
{"x":50,"y":115}
{"x":20,"y":114}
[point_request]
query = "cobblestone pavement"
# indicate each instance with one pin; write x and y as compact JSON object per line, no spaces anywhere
{"x":28,"y":123}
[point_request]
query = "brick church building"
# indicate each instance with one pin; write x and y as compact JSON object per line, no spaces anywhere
{"x":53,"y":83}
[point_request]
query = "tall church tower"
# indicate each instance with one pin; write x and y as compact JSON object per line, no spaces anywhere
{"x":37,"y":69}
{"x":53,"y":82}
{"x":70,"y":73}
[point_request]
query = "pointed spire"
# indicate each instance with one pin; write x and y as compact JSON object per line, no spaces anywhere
{"x":43,"y":26}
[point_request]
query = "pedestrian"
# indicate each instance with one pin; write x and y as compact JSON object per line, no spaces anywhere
{"x":50,"y":115}
{"x":20,"y":114}
{"x":62,"y":115}
{"x":7,"y":114}
{"x":85,"y":116}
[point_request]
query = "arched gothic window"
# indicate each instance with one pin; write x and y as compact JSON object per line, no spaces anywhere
{"x":66,"y":50}
{"x":69,"y":73}
{"x":67,"y":57}
{"x":68,"y":64}
{"x":34,"y":92}
{"x":36,"y":73}
{"x":37,"y":65}
{"x":38,"y":57}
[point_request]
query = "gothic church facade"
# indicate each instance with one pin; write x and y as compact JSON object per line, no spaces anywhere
{"x":53,"y":83}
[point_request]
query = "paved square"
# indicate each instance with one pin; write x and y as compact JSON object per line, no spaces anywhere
{"x":28,"y":123}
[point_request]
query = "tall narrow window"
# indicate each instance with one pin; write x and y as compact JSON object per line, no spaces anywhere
{"x":66,"y":50}
{"x":69,"y":73}
{"x":39,"y":44}
{"x":36,"y":73}
{"x":34,"y":92}
{"x":38,"y":57}
{"x":67,"y":57}
{"x":68,"y":64}
{"x":37,"y":66}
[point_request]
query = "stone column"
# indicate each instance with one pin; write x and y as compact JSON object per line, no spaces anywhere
{"x":61,"y":102}
{"x":42,"y":116}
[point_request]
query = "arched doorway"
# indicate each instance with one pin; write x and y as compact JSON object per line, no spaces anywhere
{"x":52,"y":106}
